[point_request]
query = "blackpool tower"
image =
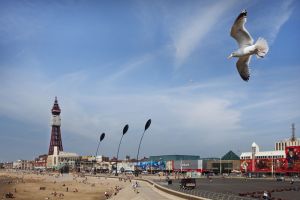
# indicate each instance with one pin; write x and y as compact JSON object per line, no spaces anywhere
{"x":55,"y":131}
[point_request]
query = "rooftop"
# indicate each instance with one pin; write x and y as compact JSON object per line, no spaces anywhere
{"x":230,"y":156}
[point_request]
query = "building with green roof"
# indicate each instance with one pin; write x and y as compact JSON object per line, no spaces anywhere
{"x":230,"y":156}
{"x":226,"y":164}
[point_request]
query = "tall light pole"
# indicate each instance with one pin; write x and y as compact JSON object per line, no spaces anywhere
{"x":147,"y":125}
{"x":273,"y":166}
{"x":102,"y":136}
{"x":125,"y":129}
{"x":220,"y":166}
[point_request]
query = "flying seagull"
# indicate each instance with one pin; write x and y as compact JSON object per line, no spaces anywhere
{"x":246,"y":46}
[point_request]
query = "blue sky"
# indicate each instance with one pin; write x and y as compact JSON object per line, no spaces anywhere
{"x":116,"y":62}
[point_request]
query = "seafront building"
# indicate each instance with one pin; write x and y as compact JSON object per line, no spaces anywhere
{"x":64,"y":161}
{"x":7,"y":165}
{"x":292,"y":141}
{"x":40,"y":163}
{"x":285,"y":159}
{"x":98,"y":164}
{"x":23,"y":165}
{"x":226,"y":164}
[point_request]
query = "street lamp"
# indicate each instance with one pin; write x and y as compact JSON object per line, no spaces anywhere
{"x":220,"y":166}
{"x":125,"y":129}
{"x":147,"y":125}
{"x":102,"y":136}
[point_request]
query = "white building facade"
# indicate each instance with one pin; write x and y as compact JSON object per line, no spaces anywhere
{"x":60,"y":159}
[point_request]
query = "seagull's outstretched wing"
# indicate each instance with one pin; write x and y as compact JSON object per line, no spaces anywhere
{"x":239,"y":32}
{"x":243,"y":67}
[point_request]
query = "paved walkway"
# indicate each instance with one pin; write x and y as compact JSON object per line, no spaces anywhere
{"x":145,"y":192}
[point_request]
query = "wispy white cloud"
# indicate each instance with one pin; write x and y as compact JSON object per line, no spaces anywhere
{"x":281,"y":17}
{"x":272,"y":19}
{"x":129,"y":67}
{"x":193,"y":29}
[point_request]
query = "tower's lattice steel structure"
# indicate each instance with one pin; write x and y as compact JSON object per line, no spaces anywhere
{"x":55,"y":131}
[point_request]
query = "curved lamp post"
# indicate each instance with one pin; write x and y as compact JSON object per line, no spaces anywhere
{"x":125,"y":129}
{"x":147,"y":125}
{"x":102,"y":136}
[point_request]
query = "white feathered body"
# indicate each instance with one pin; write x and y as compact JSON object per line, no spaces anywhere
{"x":246,"y":51}
{"x":260,"y":48}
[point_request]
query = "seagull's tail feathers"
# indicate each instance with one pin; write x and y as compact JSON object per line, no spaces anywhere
{"x":261,"y":47}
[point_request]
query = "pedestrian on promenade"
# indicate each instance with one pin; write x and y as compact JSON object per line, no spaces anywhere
{"x":267,"y":195}
{"x":292,"y":181}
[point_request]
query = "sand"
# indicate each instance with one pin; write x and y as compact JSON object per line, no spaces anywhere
{"x":29,"y":186}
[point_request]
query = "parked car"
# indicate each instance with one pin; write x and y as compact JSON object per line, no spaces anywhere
{"x":280,"y":178}
{"x":128,"y":172}
{"x":188,"y":183}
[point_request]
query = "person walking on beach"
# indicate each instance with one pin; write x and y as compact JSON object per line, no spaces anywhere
{"x":106,"y":195}
{"x":134,"y":187}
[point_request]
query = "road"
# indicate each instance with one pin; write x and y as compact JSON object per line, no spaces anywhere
{"x":234,"y":186}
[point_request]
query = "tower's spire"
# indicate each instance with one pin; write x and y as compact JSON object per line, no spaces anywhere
{"x":293,"y":132}
{"x":55,"y":109}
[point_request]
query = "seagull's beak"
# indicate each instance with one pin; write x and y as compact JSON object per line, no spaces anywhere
{"x":230,"y":56}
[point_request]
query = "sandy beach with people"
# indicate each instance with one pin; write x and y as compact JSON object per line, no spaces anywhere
{"x":57,"y":186}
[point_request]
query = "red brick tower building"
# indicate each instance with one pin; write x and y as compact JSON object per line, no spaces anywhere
{"x":55,"y":132}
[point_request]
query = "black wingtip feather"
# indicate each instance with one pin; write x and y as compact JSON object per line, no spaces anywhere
{"x":245,"y":78}
{"x":241,"y":15}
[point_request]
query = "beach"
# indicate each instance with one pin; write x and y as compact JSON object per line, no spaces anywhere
{"x":32,"y":186}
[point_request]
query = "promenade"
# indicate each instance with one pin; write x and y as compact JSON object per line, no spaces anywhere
{"x":145,"y":192}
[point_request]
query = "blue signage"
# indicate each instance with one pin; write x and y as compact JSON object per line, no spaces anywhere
{"x":151,"y":165}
